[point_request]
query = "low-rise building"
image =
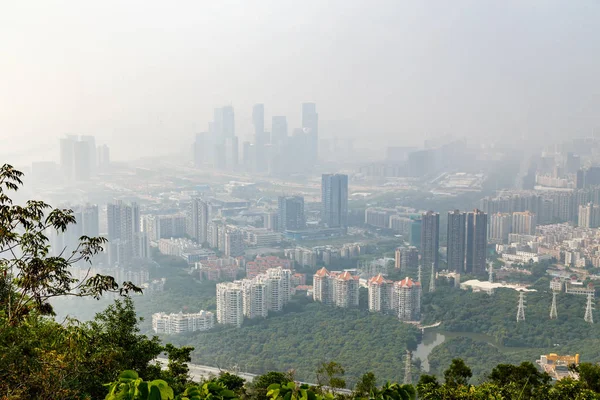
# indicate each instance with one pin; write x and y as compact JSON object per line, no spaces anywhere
{"x":179,"y":323}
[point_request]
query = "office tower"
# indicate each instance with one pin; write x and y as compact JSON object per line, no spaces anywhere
{"x":291,"y":213}
{"x":103,"y":158}
{"x":500,"y":227}
{"x":455,"y":249}
{"x":279,"y":130}
{"x":230,"y":306}
{"x":334,"y":200}
{"x":524,"y":223}
{"x":407,"y":258}
{"x":407,"y":299}
{"x":415,"y":232}
{"x":430,"y":239}
{"x":380,"y":294}
{"x":234,"y":242}
{"x":476,"y":246}
{"x":310,"y":125}
{"x":248,"y":155}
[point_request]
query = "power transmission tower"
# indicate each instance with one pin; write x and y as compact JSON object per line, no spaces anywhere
{"x":553,"y":312}
{"x":521,"y":308}
{"x":589,"y":308}
{"x":408,"y":368}
{"x":419,"y":274}
{"x":432,"y":281}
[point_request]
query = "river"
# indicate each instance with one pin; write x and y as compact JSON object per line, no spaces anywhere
{"x":434,"y":337}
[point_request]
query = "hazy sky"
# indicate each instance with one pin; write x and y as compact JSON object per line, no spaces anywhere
{"x":144,"y":76}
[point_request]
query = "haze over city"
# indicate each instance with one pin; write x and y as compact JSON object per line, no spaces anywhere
{"x":324,"y":200}
{"x":133,"y":73}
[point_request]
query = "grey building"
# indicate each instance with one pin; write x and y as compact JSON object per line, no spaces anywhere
{"x":455,"y":250}
{"x":334,"y":200}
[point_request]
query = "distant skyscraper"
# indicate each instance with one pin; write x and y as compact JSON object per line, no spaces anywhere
{"x":103,"y":153}
{"x":476,"y":242}
{"x":81,"y":161}
{"x":291,"y":213}
{"x":279,"y":130}
{"x":201,"y":143}
{"x":430,"y":239}
{"x":407,"y":258}
{"x":455,"y":251}
{"x":67,"y":155}
{"x":92,"y":162}
{"x":310,"y":124}
{"x":225,"y":141}
{"x":258,"y":120}
{"x":334,"y":200}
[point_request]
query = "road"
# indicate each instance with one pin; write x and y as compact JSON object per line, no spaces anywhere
{"x":198,"y":372}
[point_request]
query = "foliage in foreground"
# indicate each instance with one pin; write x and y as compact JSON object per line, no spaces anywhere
{"x":504,"y":382}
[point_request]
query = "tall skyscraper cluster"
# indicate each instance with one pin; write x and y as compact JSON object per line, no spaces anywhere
{"x":253,"y":298}
{"x":336,"y":288}
{"x":273,"y":152}
{"x":467,"y":241}
{"x":80,"y":159}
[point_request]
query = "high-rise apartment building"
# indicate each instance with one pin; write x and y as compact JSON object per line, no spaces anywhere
{"x":455,"y":249}
{"x":336,"y":288}
{"x":407,"y":296}
{"x":197,"y":225}
{"x":254,"y":298}
{"x":291,"y":213}
{"x":346,"y":289}
{"x":310,"y":125}
{"x":500,"y":227}
{"x":406,"y":258}
{"x":78,"y":160}
{"x":234,"y":242}
{"x":334,"y":200}
{"x":380,"y":294}
{"x":523,"y":223}
{"x":476,"y":242}
{"x":430,"y":239}
{"x":589,"y":216}
{"x":230,"y":305}
{"x":124,"y":224}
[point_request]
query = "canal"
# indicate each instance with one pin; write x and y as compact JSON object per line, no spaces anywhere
{"x":434,"y":337}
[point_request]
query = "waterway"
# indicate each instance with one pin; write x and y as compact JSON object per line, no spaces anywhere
{"x":434,"y":337}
